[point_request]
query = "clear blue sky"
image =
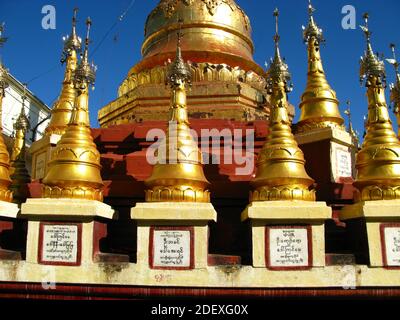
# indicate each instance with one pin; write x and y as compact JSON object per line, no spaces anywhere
{"x":32,"y":51}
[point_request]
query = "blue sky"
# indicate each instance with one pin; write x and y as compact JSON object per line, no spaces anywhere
{"x":33,"y":51}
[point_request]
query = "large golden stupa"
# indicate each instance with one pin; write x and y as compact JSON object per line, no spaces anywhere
{"x":227,"y":83}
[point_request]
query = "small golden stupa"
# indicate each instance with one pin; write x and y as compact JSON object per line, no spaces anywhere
{"x":378,"y":162}
{"x":5,"y":181}
{"x":395,"y":87}
{"x":319,"y":106}
{"x":178,"y":174}
{"x":19,"y":174}
{"x":62,"y":109}
{"x":74,"y":171}
{"x":281,"y":174}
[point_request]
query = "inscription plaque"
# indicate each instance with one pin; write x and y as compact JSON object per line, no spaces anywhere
{"x":60,"y":244}
{"x":40,"y":166}
{"x":343,"y":163}
{"x":171,"y":248}
{"x":390,"y":235}
{"x":288,"y":247}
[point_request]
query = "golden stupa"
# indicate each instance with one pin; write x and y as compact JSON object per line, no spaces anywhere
{"x":319,"y":106}
{"x":19,"y":174}
{"x":178,"y":174}
{"x":281,"y":174}
{"x":74,"y":171}
{"x":62,"y":109}
{"x":5,"y":181}
{"x":227,"y":83}
{"x":378,"y":161}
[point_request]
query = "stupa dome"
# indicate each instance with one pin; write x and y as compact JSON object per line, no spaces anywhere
{"x":215,"y":31}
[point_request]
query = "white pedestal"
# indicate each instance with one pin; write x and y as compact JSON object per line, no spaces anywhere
{"x":288,"y":235}
{"x":8,"y":210}
{"x":381,"y":221}
{"x":341,"y":148}
{"x":173,"y":236}
{"x":61,"y":231}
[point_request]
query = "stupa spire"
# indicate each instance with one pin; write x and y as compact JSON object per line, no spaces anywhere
{"x":19,"y":174}
{"x":5,"y":181}
{"x":319,"y":106}
{"x":74,"y":171}
{"x":62,"y":109}
{"x":378,"y":162}
{"x":281,"y":174}
{"x":178,"y":174}
{"x":395,"y":87}
{"x":350,"y":128}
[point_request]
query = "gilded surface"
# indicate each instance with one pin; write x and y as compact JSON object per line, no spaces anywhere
{"x":62,"y":109}
{"x":215,"y":31}
{"x":217,"y":41}
{"x":74,"y":171}
{"x":19,"y":174}
{"x":319,"y":106}
{"x":5,"y":193}
{"x":378,"y":161}
{"x":178,"y":174}
{"x":281,"y":174}
{"x":200,"y":72}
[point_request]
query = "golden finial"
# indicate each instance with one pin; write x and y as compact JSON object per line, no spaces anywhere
{"x":281,"y":174}
{"x":370,"y":65}
{"x":21,"y":126}
{"x":62,"y":108}
{"x":19,"y":174}
{"x":5,"y":193}
{"x":378,"y":161}
{"x":312,"y":31}
{"x":74,"y":171}
{"x":395,"y":87}
{"x":319,"y":106}
{"x":178,"y":174}
{"x":350,"y":128}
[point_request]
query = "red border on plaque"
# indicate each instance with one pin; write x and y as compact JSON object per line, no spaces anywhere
{"x":151,"y":247}
{"x":79,"y":249}
{"x":309,"y":245}
{"x":382,"y":228}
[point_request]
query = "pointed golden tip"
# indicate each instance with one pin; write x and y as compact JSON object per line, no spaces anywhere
{"x":378,"y":161}
{"x":20,"y":177}
{"x":178,"y":71}
{"x":62,"y":108}
{"x":281,"y":173}
{"x":178,"y":175}
{"x":319,"y":105}
{"x":371,"y":66}
{"x":312,"y":32}
{"x":71,"y":42}
{"x":75,"y":170}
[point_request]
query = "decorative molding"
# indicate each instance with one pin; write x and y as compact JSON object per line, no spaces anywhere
{"x":72,"y":192}
{"x":310,"y":126}
{"x":282,"y":193}
{"x":172,"y":194}
{"x":200,"y":72}
{"x":374,"y":193}
{"x":169,"y":7}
